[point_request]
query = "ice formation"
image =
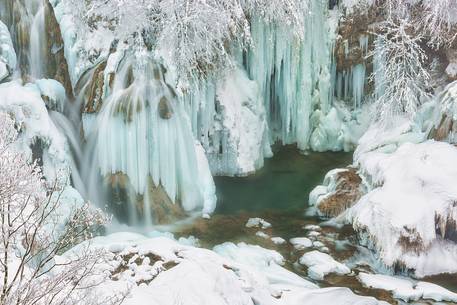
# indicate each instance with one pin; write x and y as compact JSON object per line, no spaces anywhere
{"x":7,"y":53}
{"x":280,"y":89}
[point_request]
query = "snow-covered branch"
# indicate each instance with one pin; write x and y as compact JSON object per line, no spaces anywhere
{"x":401,"y":78}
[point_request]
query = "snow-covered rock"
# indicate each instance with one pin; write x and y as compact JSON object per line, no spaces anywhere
{"x":407,"y":289}
{"x":82,"y":51}
{"x":258,"y":223}
{"x":301,"y":243}
{"x":341,"y":189}
{"x":262,"y":235}
{"x":409,"y":214}
{"x":278,"y":240}
{"x":320,"y":264}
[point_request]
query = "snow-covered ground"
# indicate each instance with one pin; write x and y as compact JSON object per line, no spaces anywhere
{"x":163,"y":271}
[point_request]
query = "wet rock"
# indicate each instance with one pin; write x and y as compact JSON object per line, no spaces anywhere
{"x":445,"y":125}
{"x":163,"y":210}
{"x":56,"y":63}
{"x":164,"y":109}
{"x":447,"y":227}
{"x":95,"y":91}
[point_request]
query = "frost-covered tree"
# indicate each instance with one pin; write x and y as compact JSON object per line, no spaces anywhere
{"x":409,"y":27}
{"x":434,"y":19}
{"x":439,"y":21}
{"x":196,"y":35}
{"x":34,"y":232}
{"x":400,"y":77}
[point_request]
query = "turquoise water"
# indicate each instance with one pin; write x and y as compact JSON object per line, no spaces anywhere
{"x":284,"y":183}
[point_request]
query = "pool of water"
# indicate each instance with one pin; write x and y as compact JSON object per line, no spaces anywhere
{"x":284,"y":183}
{"x":279,"y":194}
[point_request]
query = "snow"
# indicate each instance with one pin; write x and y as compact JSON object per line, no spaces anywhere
{"x":335,"y":296}
{"x":239,"y":274}
{"x":301,"y":243}
{"x":412,"y":195}
{"x":231,"y":274}
{"x":407,"y":289}
{"x":8,"y":59}
{"x":320,"y":264}
{"x":258,"y":223}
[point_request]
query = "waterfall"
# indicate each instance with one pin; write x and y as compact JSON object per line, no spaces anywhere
{"x":69,"y":131}
{"x":26,"y":22}
{"x":142,"y":148}
{"x":38,"y":43}
{"x":148,"y":149}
